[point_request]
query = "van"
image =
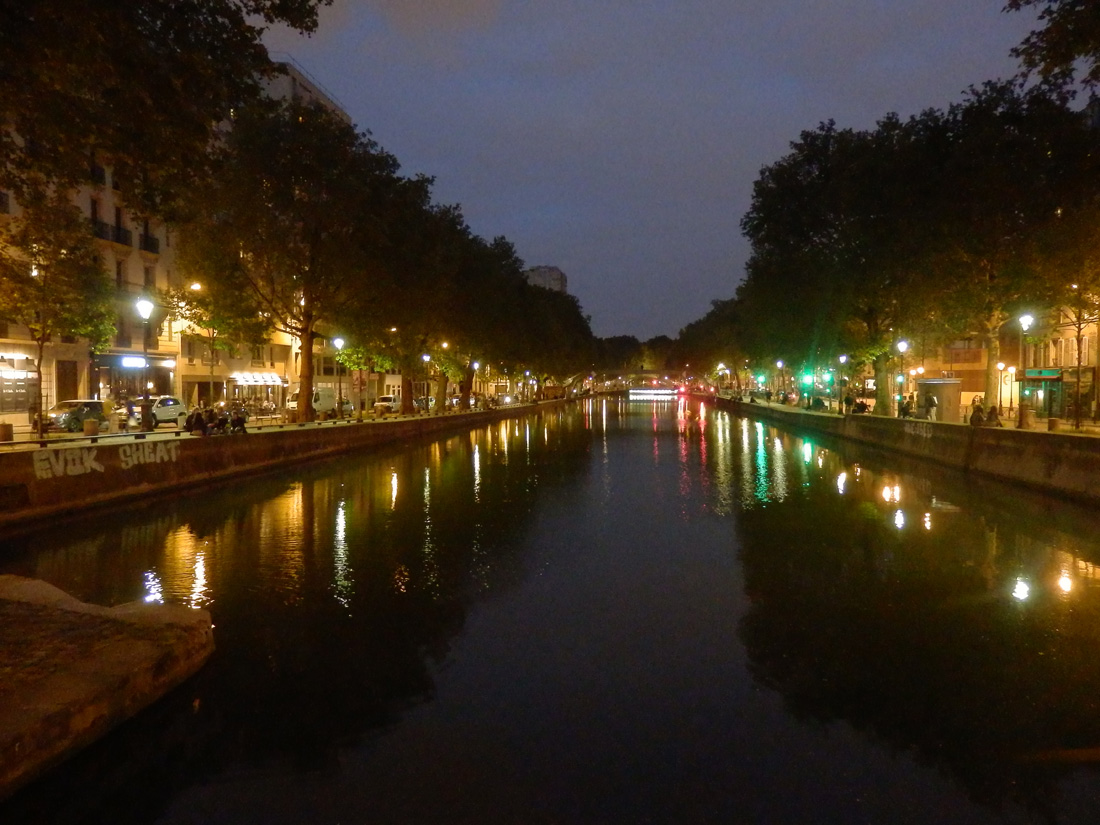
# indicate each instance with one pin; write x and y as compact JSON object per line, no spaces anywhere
{"x":324,"y":400}
{"x":391,"y":402}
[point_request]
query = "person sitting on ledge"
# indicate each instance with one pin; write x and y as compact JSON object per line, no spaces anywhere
{"x":977,"y":418}
{"x":992,"y":419}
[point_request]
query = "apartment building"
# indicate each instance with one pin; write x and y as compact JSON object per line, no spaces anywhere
{"x":137,"y":253}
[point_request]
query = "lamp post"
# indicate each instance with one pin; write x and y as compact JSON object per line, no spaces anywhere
{"x":1000,"y":385}
{"x":1012,"y":373}
{"x":902,"y":347}
{"x":779,"y":389}
{"x":339,"y":344}
{"x":1025,"y":324}
{"x":145,"y":310}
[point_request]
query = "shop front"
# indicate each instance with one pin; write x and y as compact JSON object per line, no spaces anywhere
{"x":259,"y":392}
{"x":119,"y":376}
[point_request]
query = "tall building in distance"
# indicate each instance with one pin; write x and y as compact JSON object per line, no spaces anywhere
{"x":548,"y":277}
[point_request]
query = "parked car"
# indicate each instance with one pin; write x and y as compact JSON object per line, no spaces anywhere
{"x":69,"y":416}
{"x":165,"y":409}
{"x":392,"y":402}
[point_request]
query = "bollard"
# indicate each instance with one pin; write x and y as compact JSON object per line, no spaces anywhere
{"x":1054,"y":424}
{"x":7,"y":432}
{"x":1026,"y":419}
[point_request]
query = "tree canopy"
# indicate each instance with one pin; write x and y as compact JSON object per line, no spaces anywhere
{"x":1069,"y":37}
{"x":139,"y":85}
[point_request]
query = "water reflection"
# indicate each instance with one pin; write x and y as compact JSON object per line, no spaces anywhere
{"x":966,"y":640}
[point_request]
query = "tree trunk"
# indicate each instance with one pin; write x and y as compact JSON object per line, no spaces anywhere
{"x":884,"y":386}
{"x":305,"y":376}
{"x":406,"y":392}
{"x":39,"y":414}
{"x":992,"y":374}
{"x":213,"y":354}
{"x":441,"y":393}
{"x":1077,"y":383}
{"x":466,"y":387}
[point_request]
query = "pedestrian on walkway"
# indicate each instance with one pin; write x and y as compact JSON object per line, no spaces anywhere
{"x":930,"y":405}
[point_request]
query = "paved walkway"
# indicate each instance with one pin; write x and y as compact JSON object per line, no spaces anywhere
{"x":1065,"y":427}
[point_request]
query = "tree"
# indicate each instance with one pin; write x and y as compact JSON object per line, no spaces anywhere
{"x":222,"y":319}
{"x":295,"y":218}
{"x":1069,"y":36}
{"x":140,"y":85}
{"x":52,"y":280}
{"x":1072,"y":286}
{"x":1016,"y":160}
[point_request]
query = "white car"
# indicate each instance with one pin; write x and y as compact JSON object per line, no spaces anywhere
{"x":392,"y":402}
{"x":166,"y":409}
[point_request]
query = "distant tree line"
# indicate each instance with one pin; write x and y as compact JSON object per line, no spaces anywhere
{"x":288,"y":217}
{"x":936,"y":227}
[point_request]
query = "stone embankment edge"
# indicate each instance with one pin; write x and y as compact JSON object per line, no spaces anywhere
{"x":41,"y":484}
{"x":82,"y":669}
{"x":1060,"y":463}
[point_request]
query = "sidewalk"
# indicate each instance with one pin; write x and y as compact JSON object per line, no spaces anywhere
{"x":1065,"y":426}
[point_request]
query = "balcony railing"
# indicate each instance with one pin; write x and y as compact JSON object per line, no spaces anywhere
{"x":149,"y":243}
{"x":101,"y":229}
{"x":115,"y":234}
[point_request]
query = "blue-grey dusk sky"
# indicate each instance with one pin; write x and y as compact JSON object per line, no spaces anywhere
{"x":620,"y":140}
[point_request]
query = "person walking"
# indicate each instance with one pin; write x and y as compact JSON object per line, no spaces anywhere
{"x":930,"y":404}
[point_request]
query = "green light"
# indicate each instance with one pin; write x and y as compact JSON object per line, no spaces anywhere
{"x":807,"y":379}
{"x":760,"y":379}
{"x":901,"y":378}
{"x":828,"y":378}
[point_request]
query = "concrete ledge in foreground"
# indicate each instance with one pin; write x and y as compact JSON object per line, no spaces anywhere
{"x":69,"y":671}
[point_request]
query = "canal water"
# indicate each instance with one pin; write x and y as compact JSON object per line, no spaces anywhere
{"x":608,"y":612}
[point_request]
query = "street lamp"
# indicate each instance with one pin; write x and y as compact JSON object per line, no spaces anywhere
{"x":902,"y":347}
{"x":1011,"y":372}
{"x":145,"y":310}
{"x":339,"y":344}
{"x":779,"y":364}
{"x":1025,"y":324}
{"x":1000,"y":385}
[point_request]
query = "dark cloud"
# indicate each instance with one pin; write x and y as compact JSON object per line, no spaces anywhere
{"x":620,"y":140}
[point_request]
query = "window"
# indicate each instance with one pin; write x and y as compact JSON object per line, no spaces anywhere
{"x":150,"y":276}
{"x":120,"y":275}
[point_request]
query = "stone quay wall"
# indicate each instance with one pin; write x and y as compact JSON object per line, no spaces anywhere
{"x":1052,"y":462}
{"x":81,"y":473}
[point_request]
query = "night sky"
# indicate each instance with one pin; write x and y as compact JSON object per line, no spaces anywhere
{"x":620,"y":140}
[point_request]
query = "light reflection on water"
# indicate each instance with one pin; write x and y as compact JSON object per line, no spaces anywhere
{"x":947,"y":621}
